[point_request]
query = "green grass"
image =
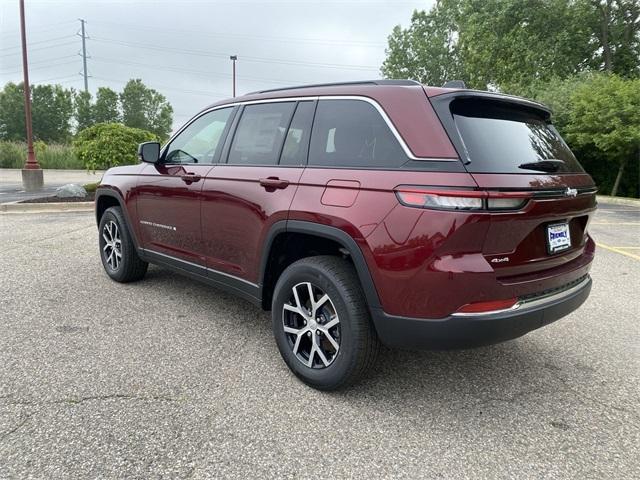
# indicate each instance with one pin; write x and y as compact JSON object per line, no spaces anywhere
{"x":14,"y":154}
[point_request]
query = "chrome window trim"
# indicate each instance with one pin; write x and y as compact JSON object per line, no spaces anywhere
{"x":363,"y":98}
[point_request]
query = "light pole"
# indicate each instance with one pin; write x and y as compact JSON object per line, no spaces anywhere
{"x":32,"y":178}
{"x":233,"y":58}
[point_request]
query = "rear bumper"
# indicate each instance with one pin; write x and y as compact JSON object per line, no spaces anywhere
{"x":464,"y":331}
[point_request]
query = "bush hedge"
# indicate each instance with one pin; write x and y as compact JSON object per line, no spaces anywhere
{"x":107,"y":145}
{"x":14,"y":155}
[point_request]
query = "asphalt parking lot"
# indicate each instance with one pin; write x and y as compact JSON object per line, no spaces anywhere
{"x":168,"y":378}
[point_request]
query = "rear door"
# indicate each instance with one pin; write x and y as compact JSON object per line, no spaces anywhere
{"x":540,"y":198}
{"x":253,"y":186}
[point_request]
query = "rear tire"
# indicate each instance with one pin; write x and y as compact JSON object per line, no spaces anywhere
{"x":117,"y":250}
{"x":316,"y":298}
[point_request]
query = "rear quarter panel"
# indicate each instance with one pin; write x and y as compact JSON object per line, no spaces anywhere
{"x":395,"y":240}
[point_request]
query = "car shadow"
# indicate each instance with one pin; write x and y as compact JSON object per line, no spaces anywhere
{"x":507,"y":372}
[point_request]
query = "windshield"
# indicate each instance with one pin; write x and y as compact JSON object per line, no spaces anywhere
{"x":500,"y":138}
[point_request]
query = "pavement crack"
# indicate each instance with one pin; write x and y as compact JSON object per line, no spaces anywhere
{"x":17,"y":427}
{"x":93,"y":398}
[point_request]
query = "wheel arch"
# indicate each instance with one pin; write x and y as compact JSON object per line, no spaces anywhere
{"x":107,"y":198}
{"x":318,"y":231}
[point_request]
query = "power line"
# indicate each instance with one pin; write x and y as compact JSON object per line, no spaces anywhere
{"x":203,"y":93}
{"x":47,"y":61}
{"x":42,"y":67}
{"x":39,"y":48}
{"x":202,"y":73}
{"x":317,"y":41}
{"x":204,"y":53}
{"x":53,"y":78}
{"x":36,"y":43}
{"x":38,"y":28}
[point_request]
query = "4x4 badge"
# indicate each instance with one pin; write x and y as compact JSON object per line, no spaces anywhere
{"x":571,"y":192}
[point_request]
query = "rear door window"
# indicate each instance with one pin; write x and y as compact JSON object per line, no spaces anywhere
{"x":499,"y":138}
{"x":296,"y":144}
{"x":351,"y":134}
{"x":260,"y":133}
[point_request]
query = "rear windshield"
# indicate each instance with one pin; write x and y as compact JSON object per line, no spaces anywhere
{"x":500,"y":138}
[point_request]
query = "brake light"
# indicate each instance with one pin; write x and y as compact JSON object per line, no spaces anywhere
{"x":487,"y":307}
{"x":452,"y":199}
{"x":438,"y":200}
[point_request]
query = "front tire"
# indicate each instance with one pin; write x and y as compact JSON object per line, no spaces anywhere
{"x":117,"y":250}
{"x":321,"y":323}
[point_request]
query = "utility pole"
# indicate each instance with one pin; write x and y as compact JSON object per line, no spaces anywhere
{"x":84,"y":56}
{"x":233,"y":58}
{"x":32,"y":177}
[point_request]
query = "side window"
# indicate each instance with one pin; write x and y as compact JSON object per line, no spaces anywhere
{"x":352,"y":133}
{"x":260,"y":133}
{"x":296,"y":144}
{"x":200,"y":141}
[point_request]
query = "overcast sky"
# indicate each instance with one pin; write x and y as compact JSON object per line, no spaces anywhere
{"x":182,"y":48}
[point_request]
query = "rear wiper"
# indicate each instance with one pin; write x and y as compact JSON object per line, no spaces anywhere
{"x":550,"y":165}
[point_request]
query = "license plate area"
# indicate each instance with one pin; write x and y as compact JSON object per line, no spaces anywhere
{"x":558,"y":237}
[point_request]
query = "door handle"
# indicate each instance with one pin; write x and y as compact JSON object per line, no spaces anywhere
{"x":191,"y":177}
{"x":271,"y":183}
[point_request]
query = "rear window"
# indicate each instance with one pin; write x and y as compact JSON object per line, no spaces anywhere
{"x":499,"y":138}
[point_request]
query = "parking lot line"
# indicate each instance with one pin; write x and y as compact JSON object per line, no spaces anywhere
{"x":615,"y":223}
{"x":618,"y":250}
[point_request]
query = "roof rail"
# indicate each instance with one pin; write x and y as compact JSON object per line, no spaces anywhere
{"x":339,"y":84}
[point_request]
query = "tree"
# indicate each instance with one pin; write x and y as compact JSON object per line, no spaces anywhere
{"x":107,"y":145}
{"x":52,"y":108}
{"x":606,"y":116}
{"x":427,"y":51}
{"x":106,"y":109}
{"x":52,"y":113}
{"x":599,"y":116}
{"x":145,"y":108}
{"x":516,"y":45}
{"x":618,"y":30}
{"x":84,"y":110}
{"x":12,"y":126}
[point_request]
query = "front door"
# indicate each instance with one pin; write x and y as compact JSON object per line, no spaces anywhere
{"x":169,"y":192}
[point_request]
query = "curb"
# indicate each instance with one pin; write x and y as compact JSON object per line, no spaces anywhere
{"x":634,"y":202}
{"x":62,"y":207}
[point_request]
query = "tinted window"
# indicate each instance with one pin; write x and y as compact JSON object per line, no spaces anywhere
{"x":200,"y":141}
{"x":499,"y":138}
{"x":296,"y":144}
{"x":351,"y":133}
{"x":260,"y":133}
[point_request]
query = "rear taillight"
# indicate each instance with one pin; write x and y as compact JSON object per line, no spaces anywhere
{"x":452,"y":199}
{"x":432,"y":199}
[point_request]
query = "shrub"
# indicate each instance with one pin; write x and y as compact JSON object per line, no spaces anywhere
{"x":14,"y":154}
{"x":107,"y":145}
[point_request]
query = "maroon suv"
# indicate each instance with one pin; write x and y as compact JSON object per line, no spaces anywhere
{"x":363,"y":212}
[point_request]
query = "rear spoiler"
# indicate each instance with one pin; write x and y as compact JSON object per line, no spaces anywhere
{"x":441,"y":102}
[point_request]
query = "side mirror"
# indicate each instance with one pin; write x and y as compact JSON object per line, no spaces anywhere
{"x":149,"y":152}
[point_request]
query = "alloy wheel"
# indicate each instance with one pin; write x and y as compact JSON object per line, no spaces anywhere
{"x":112,"y":248}
{"x":311,"y":325}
